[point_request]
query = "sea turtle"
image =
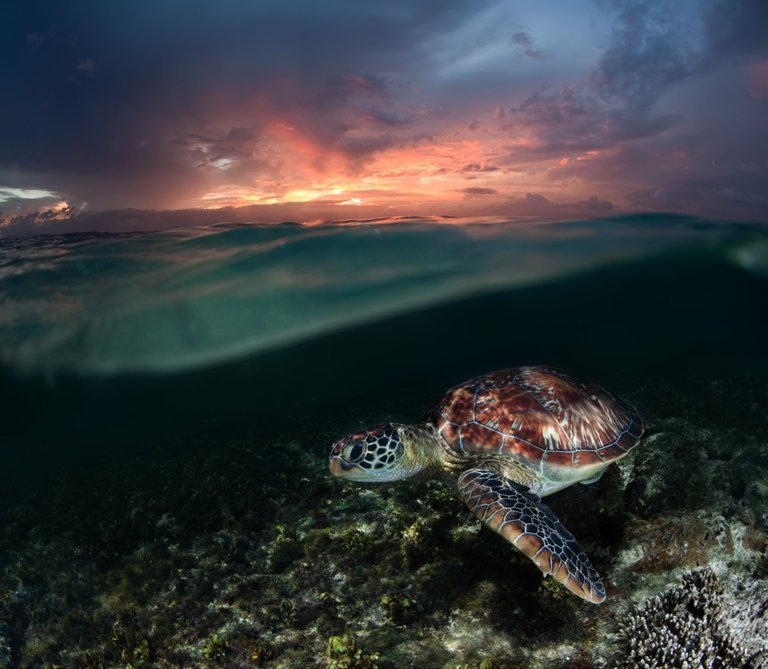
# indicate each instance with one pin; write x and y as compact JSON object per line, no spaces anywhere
{"x":510,"y":437}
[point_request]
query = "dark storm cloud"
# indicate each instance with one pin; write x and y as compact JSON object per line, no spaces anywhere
{"x":656,"y":46}
{"x":647,"y":54}
{"x":671,"y":104}
{"x":572,"y":120}
{"x":99,"y":91}
{"x":161,"y":104}
{"x":712,"y":167}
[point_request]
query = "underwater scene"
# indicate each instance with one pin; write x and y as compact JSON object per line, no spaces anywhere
{"x":169,"y":401}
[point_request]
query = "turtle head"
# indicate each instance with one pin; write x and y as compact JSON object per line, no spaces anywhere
{"x":379,"y":454}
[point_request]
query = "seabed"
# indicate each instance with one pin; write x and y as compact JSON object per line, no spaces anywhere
{"x":248,"y":554}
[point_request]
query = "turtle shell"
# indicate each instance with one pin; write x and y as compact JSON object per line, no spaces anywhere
{"x":538,"y":415}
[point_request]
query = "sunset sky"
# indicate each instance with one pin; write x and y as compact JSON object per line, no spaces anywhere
{"x":348,"y":109}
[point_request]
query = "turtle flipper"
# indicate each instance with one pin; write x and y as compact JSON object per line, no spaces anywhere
{"x":528,"y":524}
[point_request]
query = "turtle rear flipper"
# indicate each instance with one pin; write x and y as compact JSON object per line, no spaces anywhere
{"x":522,"y":519}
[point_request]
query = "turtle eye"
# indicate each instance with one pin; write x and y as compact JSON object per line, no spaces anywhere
{"x":353,"y":452}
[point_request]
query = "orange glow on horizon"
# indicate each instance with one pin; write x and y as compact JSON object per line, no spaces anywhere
{"x":453,"y":170}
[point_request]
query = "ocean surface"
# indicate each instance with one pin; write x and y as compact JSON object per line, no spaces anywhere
{"x":227,"y":355}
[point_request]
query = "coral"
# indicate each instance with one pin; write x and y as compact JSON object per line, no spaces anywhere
{"x":748,"y":617}
{"x":684,"y":628}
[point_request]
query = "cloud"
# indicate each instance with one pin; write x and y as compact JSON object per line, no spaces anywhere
{"x":667,"y":117}
{"x":634,"y":101}
{"x":232,"y":154}
{"x":237,"y":142}
{"x":356,"y":148}
{"x":555,"y":123}
{"x":568,"y":121}
{"x":735,"y":28}
{"x":704,"y":165}
{"x":648,"y":53}
{"x":114,"y":139}
{"x":565,"y":108}
{"x":474,"y":168}
{"x":478,"y":192}
{"x":87,"y":66}
{"x":339,"y":91}
{"x":535,"y":204}
{"x":11,"y":198}
{"x":524,"y":42}
{"x":388,"y":119}
{"x":46,"y":220}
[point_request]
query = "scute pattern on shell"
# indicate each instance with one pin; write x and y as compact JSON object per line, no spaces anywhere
{"x":538,"y":414}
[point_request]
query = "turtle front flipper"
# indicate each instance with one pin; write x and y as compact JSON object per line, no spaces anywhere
{"x":528,"y":524}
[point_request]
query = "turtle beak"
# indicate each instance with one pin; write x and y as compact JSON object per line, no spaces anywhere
{"x":337,"y":469}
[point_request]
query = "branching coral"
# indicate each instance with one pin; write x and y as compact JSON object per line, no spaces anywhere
{"x":685,"y":628}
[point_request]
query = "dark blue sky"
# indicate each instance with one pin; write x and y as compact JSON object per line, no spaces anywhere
{"x":346,"y":109}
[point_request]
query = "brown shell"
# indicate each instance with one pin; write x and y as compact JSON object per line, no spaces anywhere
{"x":539,"y":415}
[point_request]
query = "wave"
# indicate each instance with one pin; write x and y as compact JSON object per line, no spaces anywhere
{"x":193,"y":297}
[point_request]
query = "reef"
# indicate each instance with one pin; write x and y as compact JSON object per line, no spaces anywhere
{"x":239,"y":553}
